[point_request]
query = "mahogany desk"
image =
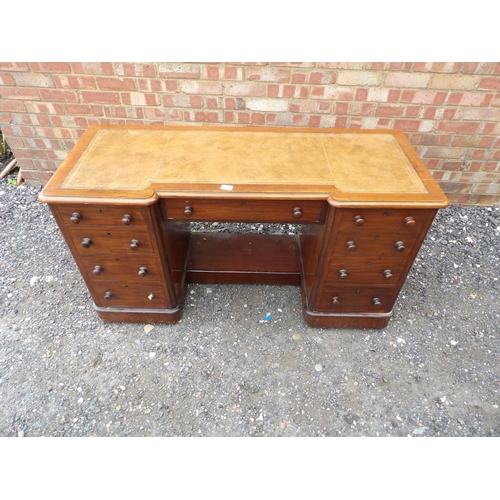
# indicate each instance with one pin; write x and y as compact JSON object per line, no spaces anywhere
{"x":125,"y":196}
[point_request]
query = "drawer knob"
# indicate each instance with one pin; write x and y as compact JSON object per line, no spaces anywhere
{"x":335,"y":301}
{"x":108,"y":295}
{"x":75,"y":218}
{"x":376,"y":302}
{"x":400,"y":246}
{"x":351,"y":246}
{"x":127,"y":219}
{"x":388,"y":274}
{"x":297,"y":212}
{"x":97,"y":270}
{"x":151,"y":296}
{"x":134,"y":244}
{"x":142,"y":271}
{"x":358,"y":220}
{"x":343,"y":274}
{"x":410,"y":222}
{"x":188,"y":211}
{"x":86,"y":242}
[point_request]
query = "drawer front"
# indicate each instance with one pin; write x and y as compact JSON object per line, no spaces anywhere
{"x":133,"y":295}
{"x":355,"y":271}
{"x":405,"y":221}
{"x":121,"y":267}
{"x":375,"y":244}
{"x":357,"y":300}
{"x":102,"y":215}
{"x":246,"y":210}
{"x":111,"y":240}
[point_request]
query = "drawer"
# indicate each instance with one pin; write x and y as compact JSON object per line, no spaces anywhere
{"x":403,"y":220}
{"x":111,"y":240}
{"x":375,"y":244}
{"x":277,"y":211}
{"x":132,"y":295}
{"x":359,"y":271}
{"x":350,"y":299}
{"x":121,"y":267}
{"x":102,"y":215}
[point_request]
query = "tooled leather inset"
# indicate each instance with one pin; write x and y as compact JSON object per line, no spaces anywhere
{"x":131,"y":159}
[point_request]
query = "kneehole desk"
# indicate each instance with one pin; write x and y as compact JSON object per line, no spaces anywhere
{"x":126,"y":195}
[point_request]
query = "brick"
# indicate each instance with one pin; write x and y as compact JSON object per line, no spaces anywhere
{"x":208,"y":116}
{"x":413,"y":80}
{"x":163,"y":114}
{"x":6,"y":79}
{"x":12,"y":106}
{"x":182,"y":71}
{"x":83,"y":109}
{"x":19,"y":93}
{"x":376,"y":65}
{"x":210,"y":102}
{"x":483,"y":68}
{"x":135,"y":69}
{"x":293,"y":64}
{"x":44,"y":108}
{"x":106,"y":83}
{"x":100,"y":97}
{"x":214,"y":88}
{"x":379,"y":95}
{"x":387,"y":110}
{"x":75,"y":82}
{"x":140,"y":99}
{"x":59,"y":133}
{"x":93,"y":68}
{"x":243,"y":118}
{"x":246,"y":89}
{"x":305,"y":106}
{"x":335,"y":93}
{"x":445,"y":152}
{"x":489,"y":84}
{"x":257,"y":118}
{"x":314,"y":121}
{"x":234,"y":103}
{"x":407,"y":125}
{"x":340,"y":65}
{"x":50,"y":67}
{"x":453,"y":82}
{"x":361,"y":94}
{"x":268,"y":74}
{"x":210,"y":72}
{"x":436,"y":67}
{"x":13,"y":66}
{"x":423,"y":97}
{"x":359,"y":78}
{"x":229,"y":117}
{"x":233,"y":73}
{"x":483,"y":114}
{"x":267,"y":104}
{"x":59,"y":95}
{"x":459,"y":127}
{"x":400,"y":66}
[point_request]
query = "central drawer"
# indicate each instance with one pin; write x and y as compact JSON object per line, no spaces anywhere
{"x":271,"y":211}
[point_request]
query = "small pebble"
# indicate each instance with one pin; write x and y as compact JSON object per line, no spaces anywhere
{"x":296,"y":336}
{"x":318,"y":368}
{"x":148,"y":328}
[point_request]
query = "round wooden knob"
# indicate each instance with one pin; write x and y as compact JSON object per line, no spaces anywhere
{"x":358,"y":220}
{"x":108,"y":295}
{"x":142,"y":271}
{"x":376,"y":302}
{"x":127,"y":219}
{"x":335,"y":301}
{"x":97,"y":270}
{"x":343,"y":274}
{"x":388,"y":274}
{"x":134,"y":244}
{"x":351,"y":246}
{"x":297,"y":212}
{"x":75,"y":218}
{"x":400,"y":247}
{"x":188,"y":211}
{"x":86,"y":242}
{"x":410,"y":222}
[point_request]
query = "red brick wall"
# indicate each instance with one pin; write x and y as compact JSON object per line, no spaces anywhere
{"x":449,"y":111}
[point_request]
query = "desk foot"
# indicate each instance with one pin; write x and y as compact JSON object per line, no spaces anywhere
{"x":331,"y":320}
{"x":166,"y":316}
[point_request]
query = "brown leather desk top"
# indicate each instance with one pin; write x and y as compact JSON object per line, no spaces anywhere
{"x":138,"y":164}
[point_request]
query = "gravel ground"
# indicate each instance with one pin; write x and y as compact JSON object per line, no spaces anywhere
{"x":225,"y":370}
